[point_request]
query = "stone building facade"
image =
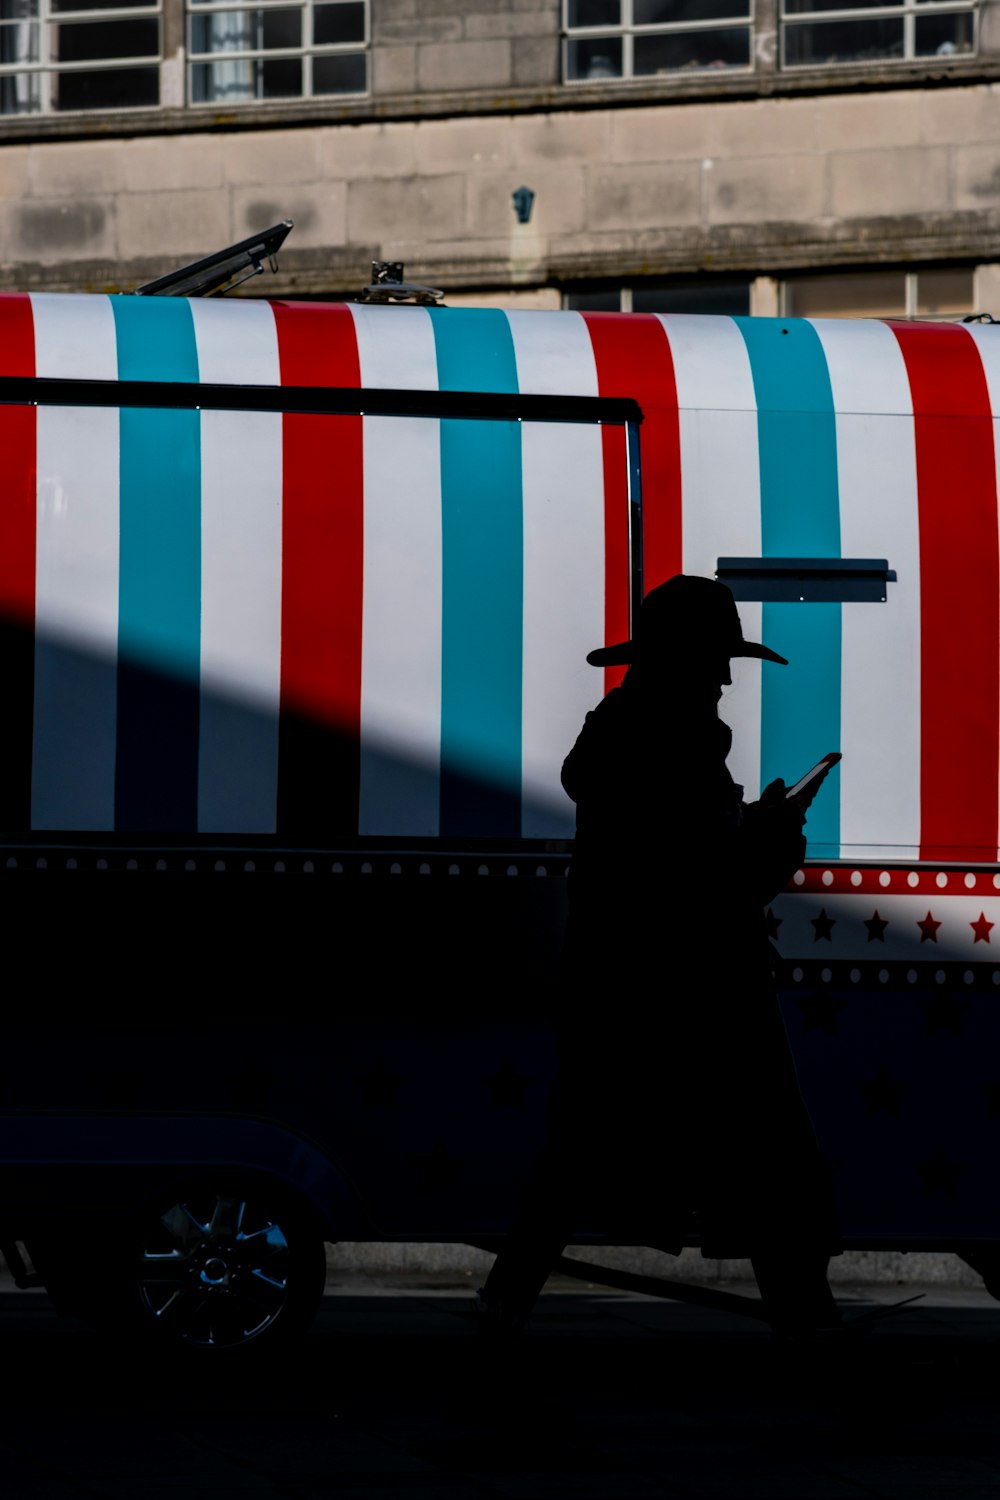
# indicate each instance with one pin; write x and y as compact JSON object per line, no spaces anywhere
{"x":742,"y":154}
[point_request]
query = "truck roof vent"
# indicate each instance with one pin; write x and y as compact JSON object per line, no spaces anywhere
{"x":387,"y":285}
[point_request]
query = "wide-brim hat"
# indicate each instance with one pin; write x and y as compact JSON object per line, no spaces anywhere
{"x":685,"y":616}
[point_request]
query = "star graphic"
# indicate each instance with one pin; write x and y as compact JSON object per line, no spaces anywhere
{"x":820,"y":1012}
{"x":773,"y":923}
{"x":944,"y":1013}
{"x":982,"y":929}
{"x":882,"y":1093}
{"x":506,"y":1087}
{"x":439,"y":1171}
{"x":823,"y":926}
{"x":992,"y":1092}
{"x":939,"y":1174}
{"x":876,"y":927}
{"x":928,"y":929}
{"x":379,"y":1087}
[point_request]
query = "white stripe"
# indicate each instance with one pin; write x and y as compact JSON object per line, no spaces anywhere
{"x":720,"y":496}
{"x":74,"y":337}
{"x":562,"y":467}
{"x":553,"y":353}
{"x":563,"y":611}
{"x":76,"y":574}
{"x":400,"y":770}
{"x":880,"y":653}
{"x":401,"y":629}
{"x":237,"y":342}
{"x":988,"y":343}
{"x":241,"y":478}
{"x":395,"y":348}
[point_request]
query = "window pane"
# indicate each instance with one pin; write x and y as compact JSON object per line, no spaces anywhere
{"x":79,"y":42}
{"x":17,"y":10}
{"x":727,"y":48}
{"x":19,"y":41}
{"x":594,"y":13}
{"x":943,"y":36}
{"x":226,"y":31}
{"x":842,"y":41}
{"x":280,"y":78}
{"x":20,"y":94}
{"x":112,"y":88}
{"x":72,"y":5}
{"x":945,"y":291}
{"x":608,"y":300}
{"x":854,"y":294}
{"x":732,"y":297}
{"x":343,"y":73}
{"x":597,"y":58}
{"x":662,"y":12}
{"x":226,"y":81}
{"x":278,"y":28}
{"x":804,"y":7}
{"x":338,"y":23}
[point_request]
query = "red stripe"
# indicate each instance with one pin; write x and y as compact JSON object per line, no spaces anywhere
{"x":633,"y":359}
{"x":959,"y":592}
{"x":322,"y":574}
{"x":322,"y":530}
{"x":617,"y":570}
{"x":17,"y":443}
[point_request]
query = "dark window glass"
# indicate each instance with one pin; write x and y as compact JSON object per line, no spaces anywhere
{"x":732,"y":297}
{"x":71,"y":5}
{"x":597,"y":57}
{"x":805,"y":7}
{"x":79,"y":42}
{"x":338,"y":23}
{"x":849,"y":294}
{"x":594,"y":13}
{"x":17,"y":10}
{"x":112,"y":88}
{"x":609,"y":300}
{"x":341,"y":73}
{"x":228,"y":82}
{"x":842,"y":42}
{"x":946,"y":291}
{"x":728,"y":47}
{"x":943,"y":36}
{"x":281,"y":78}
{"x":662,"y":12}
{"x":278,"y":28}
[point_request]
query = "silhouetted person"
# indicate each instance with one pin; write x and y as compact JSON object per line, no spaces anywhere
{"x":676,"y":1092}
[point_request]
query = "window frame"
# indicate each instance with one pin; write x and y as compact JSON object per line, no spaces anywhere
{"x":627,"y":31}
{"x":49,"y":66}
{"x":906,"y":11}
{"x":307,"y":51}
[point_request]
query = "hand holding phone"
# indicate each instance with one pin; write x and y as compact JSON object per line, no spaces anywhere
{"x":806,"y":788}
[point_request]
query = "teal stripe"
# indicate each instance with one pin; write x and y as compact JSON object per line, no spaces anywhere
{"x":800,"y":517}
{"x":159,"y":631}
{"x":482,"y":584}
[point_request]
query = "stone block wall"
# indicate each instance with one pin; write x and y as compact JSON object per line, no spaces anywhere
{"x":757,"y":186}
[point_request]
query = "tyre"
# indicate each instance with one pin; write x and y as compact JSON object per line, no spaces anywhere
{"x":223,"y":1268}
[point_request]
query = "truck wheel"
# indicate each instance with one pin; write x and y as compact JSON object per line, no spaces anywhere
{"x":224,"y":1269}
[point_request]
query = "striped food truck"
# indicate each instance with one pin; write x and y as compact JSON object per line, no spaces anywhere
{"x":295,"y":601}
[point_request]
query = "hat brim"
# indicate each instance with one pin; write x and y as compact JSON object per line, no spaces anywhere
{"x":625,"y":653}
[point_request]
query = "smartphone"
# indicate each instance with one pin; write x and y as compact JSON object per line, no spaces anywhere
{"x":815,"y":775}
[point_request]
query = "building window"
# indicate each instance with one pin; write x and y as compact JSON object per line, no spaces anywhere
{"x":945,"y":292}
{"x":818,"y":33}
{"x":653,"y":38}
{"x":731,"y":297}
{"x":276,"y":50}
{"x":58,"y":55}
